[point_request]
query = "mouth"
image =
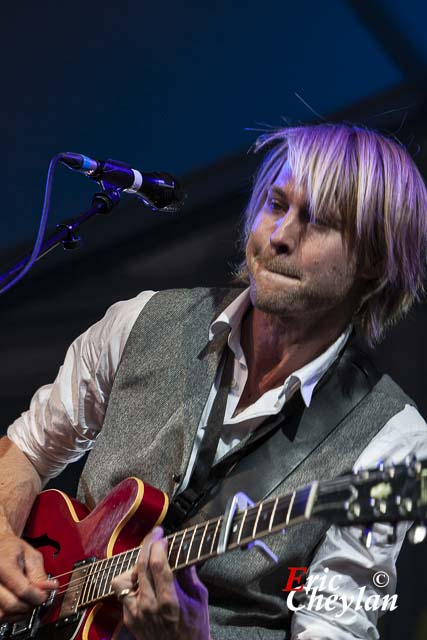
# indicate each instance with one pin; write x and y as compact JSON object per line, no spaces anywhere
{"x":291,"y":274}
{"x":284,"y":274}
{"x":278,"y":267}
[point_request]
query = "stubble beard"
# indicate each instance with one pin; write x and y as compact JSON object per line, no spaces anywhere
{"x":282,"y":302}
{"x":300,"y":298}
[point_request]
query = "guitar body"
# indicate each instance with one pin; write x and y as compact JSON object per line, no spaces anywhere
{"x":66,"y":533}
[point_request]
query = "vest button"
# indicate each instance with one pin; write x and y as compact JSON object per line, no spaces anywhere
{"x":176,"y":477}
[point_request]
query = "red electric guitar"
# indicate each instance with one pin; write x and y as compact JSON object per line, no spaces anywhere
{"x":86,"y":550}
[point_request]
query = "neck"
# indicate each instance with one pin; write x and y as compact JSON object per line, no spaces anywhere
{"x":275,"y":347}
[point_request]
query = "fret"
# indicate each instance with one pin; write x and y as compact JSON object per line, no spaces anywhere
{"x":300,"y":505}
{"x":247,"y":524}
{"x":291,"y":504}
{"x":264,"y":518}
{"x":214,"y":535}
{"x":114,"y":570}
{"x":275,"y":513}
{"x":171,"y":545}
{"x":115,"y":566}
{"x":203,"y":537}
{"x":103,"y":584}
{"x":96,"y":581}
{"x":179,"y":549}
{"x":91,"y":581}
{"x":208,"y":539}
{"x":179,"y":536}
{"x":245,"y":513}
{"x":131,"y":561}
{"x":111,"y":572}
{"x":187,"y":541}
{"x":256,"y":520}
{"x":99,"y":579}
{"x":191,"y":543}
{"x":270,"y":526}
{"x":234,"y":531}
{"x":119,"y":564}
{"x":87,"y":571}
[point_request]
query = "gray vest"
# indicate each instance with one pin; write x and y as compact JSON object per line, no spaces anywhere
{"x":158,"y":396}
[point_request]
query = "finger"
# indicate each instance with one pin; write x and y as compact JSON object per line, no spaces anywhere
{"x":123,"y":581}
{"x":164,"y":585}
{"x":191,"y":584}
{"x":142,"y":574}
{"x":17,"y":583}
{"x":11,"y":605}
{"x":35,"y":571}
{"x":141,"y":565}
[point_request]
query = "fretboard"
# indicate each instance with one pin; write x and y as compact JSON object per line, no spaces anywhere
{"x":200,"y":541}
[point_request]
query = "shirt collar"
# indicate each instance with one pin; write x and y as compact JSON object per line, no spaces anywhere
{"x":307,"y":376}
{"x":310,"y":374}
{"x":232,"y":315}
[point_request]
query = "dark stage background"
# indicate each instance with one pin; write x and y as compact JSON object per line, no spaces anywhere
{"x":183,"y":88}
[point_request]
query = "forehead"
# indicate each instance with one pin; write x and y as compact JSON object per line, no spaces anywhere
{"x":285,"y":182}
{"x":284,"y":176}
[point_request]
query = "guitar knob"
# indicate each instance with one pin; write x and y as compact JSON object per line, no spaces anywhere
{"x":367,"y":537}
{"x":382,"y":507}
{"x":406,"y":506}
{"x":355,"y":510}
{"x":380,"y":465}
{"x":417,"y":533}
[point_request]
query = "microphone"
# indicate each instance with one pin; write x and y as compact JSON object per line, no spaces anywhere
{"x":157,"y":190}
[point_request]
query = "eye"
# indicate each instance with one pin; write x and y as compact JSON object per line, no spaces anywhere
{"x":274,"y":204}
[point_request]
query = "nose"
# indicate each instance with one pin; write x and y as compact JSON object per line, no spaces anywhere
{"x":286,"y":234}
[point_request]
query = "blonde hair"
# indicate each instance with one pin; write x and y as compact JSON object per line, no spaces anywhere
{"x":382,"y":199}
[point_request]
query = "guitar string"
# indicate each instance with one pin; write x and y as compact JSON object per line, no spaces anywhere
{"x":336,"y":484}
{"x":118,"y":559}
{"x":339,"y":482}
{"x":122,"y":553}
{"x":115,"y":561}
{"x":250,"y":519}
{"x":114,"y":564}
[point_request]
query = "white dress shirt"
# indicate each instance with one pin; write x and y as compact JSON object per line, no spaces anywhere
{"x":65,"y":418}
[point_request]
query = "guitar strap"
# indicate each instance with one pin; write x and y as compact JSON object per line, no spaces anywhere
{"x":278,"y":446}
{"x":182,"y":503}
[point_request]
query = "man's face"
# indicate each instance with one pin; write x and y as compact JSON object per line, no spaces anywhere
{"x":298,"y":267}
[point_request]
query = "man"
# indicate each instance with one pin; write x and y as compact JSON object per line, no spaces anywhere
{"x":335,"y":239}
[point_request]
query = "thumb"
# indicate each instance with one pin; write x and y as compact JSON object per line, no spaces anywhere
{"x":34,"y":567}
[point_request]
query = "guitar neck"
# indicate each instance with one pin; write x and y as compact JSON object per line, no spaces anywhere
{"x":200,"y":541}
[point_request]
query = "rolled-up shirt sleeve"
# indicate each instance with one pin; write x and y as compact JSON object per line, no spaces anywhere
{"x":361,"y":578}
{"x":65,"y":417}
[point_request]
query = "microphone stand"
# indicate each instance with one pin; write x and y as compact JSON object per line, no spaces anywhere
{"x":67,"y":233}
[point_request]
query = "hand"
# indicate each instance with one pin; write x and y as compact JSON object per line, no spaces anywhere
{"x":23,"y":580}
{"x":160,"y":606}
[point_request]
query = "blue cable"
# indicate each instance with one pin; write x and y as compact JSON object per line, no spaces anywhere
{"x":42,"y":226}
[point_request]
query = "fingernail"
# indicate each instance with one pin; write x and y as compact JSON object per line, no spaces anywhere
{"x":158,"y":532}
